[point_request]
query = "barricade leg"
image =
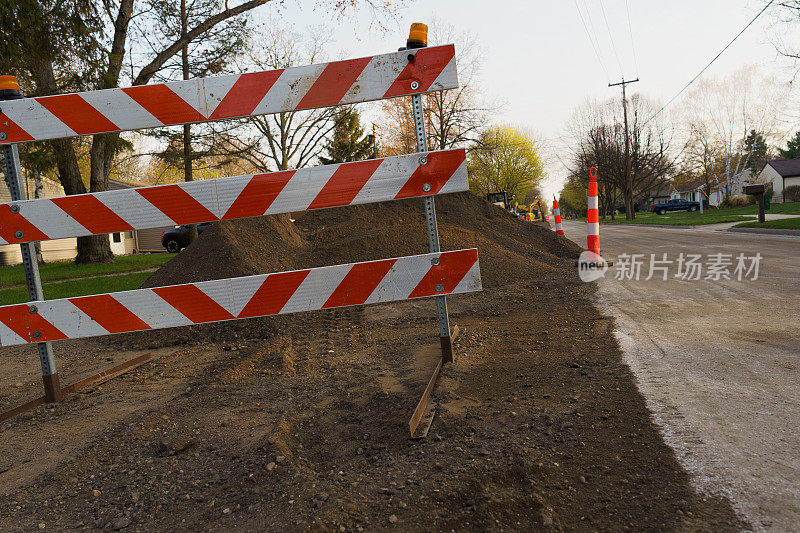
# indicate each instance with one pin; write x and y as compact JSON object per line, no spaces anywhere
{"x":418,"y":39}
{"x":433,"y":234}
{"x":52,"y":387}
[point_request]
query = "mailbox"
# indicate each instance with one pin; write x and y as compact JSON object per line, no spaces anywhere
{"x":757,"y":188}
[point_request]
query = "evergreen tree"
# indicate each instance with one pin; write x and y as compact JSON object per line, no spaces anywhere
{"x":348,"y":142}
{"x":755,"y":148}
{"x":792,"y":148}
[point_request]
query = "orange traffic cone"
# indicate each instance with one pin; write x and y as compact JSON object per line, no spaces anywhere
{"x":557,"y":217}
{"x":593,"y":227}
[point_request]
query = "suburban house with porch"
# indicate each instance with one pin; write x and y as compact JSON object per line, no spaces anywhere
{"x":780,"y":173}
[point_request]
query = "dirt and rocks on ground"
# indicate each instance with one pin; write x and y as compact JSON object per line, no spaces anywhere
{"x":300,"y":422}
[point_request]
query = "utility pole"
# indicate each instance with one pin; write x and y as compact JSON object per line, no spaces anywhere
{"x":629,"y":211}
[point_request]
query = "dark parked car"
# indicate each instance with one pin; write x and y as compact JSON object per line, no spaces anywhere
{"x":176,"y":238}
{"x":675,"y":205}
{"x":621,"y":208}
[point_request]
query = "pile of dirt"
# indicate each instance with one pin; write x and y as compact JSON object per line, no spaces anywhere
{"x":510,"y":250}
{"x":234,"y":248}
{"x":508,"y":247}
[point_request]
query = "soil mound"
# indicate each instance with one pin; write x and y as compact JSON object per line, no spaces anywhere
{"x":510,"y":250}
{"x":234,"y":248}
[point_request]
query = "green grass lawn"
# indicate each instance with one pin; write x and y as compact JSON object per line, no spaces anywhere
{"x":77,"y":287}
{"x":709,"y":216}
{"x":792,"y":208}
{"x":61,"y":270}
{"x":63,"y":279}
{"x":784,"y":223}
{"x":679,"y":219}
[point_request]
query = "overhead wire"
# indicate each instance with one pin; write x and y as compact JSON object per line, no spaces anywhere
{"x":591,"y":41}
{"x":709,"y":63}
{"x":611,"y":38}
{"x":630,"y":32}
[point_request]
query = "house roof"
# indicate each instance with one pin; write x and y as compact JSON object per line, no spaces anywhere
{"x":786,"y":167}
{"x":689,"y":185}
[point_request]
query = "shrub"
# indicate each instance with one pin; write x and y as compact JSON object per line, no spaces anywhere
{"x":791,"y":193}
{"x":740,"y":200}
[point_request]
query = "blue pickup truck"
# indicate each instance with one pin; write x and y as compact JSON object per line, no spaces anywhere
{"x":675,"y":205}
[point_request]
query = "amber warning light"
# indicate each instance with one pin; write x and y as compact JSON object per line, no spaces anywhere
{"x":418,"y":36}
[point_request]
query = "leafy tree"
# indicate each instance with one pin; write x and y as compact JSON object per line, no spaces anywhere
{"x":53,"y":46}
{"x":507,"y":160}
{"x":573,"y":199}
{"x":792,"y":150}
{"x":348,"y":142}
{"x":755,"y":150}
{"x":100,"y":32}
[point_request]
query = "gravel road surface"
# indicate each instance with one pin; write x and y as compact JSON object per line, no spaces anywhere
{"x":717,"y":360}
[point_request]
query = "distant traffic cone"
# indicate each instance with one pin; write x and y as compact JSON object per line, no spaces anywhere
{"x":557,"y":217}
{"x":593,"y":227}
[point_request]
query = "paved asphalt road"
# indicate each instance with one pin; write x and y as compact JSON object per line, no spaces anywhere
{"x":719,"y":361}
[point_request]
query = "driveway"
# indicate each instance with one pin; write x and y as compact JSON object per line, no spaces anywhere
{"x":718,"y":361}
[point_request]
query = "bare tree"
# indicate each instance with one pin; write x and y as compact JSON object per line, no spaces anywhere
{"x":290,"y":139}
{"x":720,"y":114}
{"x":457,"y":117}
{"x":454,"y":117}
{"x":599,"y":140}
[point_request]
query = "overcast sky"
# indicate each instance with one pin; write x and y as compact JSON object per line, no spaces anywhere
{"x":540,"y":61}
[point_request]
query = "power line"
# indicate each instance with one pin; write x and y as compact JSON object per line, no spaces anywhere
{"x":591,"y":40}
{"x":611,"y":38}
{"x":630,"y":31}
{"x":709,"y":63}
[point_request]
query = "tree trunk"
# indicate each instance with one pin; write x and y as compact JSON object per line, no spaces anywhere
{"x":187,"y":128}
{"x":37,"y":193}
{"x":97,"y":248}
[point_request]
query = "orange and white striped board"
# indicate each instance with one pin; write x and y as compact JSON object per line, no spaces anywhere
{"x":374,"y":180}
{"x":205,"y":99}
{"x":386,"y":280}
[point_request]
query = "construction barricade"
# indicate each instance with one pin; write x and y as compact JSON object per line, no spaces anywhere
{"x":411,"y":71}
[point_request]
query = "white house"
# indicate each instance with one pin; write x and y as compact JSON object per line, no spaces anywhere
{"x":693,"y":192}
{"x":781,"y":173}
